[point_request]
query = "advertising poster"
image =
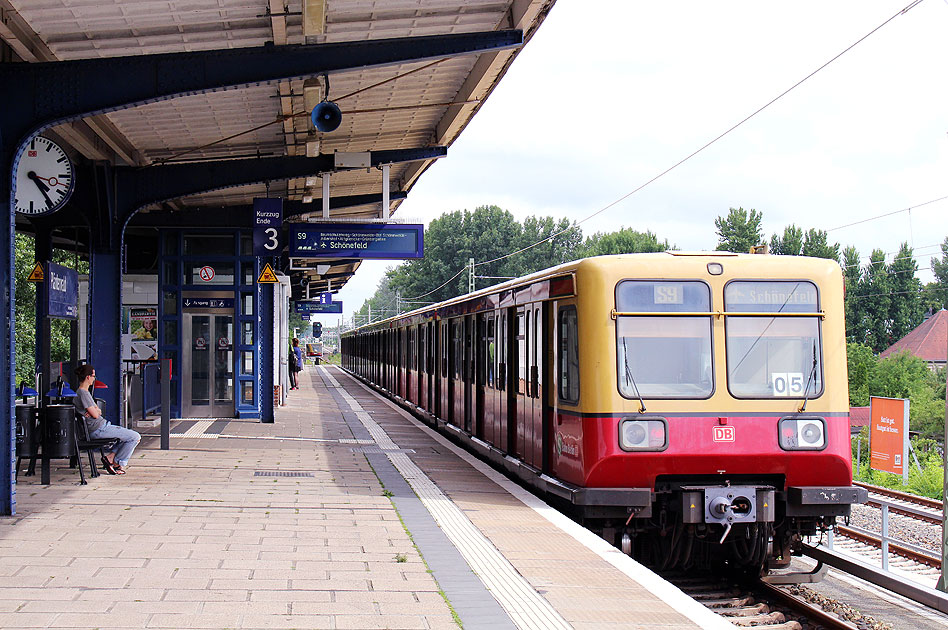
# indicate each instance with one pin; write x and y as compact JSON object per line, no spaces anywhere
{"x":139,"y":332}
{"x":888,"y":434}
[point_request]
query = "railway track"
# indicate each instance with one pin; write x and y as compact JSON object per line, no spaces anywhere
{"x":868,"y":538}
{"x":759,"y":605}
{"x":910,"y":505}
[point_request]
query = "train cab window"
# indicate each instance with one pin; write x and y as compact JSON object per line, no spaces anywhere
{"x":664,"y":339}
{"x":568,"y":355}
{"x":771,"y":355}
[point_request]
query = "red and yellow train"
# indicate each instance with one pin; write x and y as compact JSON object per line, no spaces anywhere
{"x":692,"y":408}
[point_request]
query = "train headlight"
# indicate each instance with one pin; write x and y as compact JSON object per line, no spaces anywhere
{"x":802,"y":434}
{"x":643,"y":434}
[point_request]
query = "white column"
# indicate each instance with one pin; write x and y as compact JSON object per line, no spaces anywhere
{"x":386,"y":210}
{"x":325,"y":177}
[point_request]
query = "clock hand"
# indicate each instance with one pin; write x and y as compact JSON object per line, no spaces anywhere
{"x":42,"y":187}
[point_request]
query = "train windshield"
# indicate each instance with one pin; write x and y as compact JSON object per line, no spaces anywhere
{"x":771,"y":355}
{"x":664,"y":339}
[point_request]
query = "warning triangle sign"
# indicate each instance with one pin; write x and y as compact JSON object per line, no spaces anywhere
{"x":267,"y":274}
{"x":37,"y":274}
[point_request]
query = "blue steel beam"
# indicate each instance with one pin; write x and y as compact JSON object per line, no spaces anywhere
{"x":138,"y":187}
{"x":243,"y":215}
{"x":51,"y":93}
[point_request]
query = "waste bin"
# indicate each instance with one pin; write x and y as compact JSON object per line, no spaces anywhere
{"x":25,"y":429}
{"x":59,"y":431}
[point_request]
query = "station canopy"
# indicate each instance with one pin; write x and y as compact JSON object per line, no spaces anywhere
{"x":405,"y":106}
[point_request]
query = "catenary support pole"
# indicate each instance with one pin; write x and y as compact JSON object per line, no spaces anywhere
{"x":943,"y":581}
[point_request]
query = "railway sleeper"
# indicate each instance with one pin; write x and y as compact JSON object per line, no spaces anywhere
{"x":728,"y":602}
{"x":755,"y":611}
{"x":760,"y":621}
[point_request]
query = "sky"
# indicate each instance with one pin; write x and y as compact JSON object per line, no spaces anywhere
{"x":610,"y":93}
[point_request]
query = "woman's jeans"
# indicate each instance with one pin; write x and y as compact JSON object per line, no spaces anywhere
{"x":128,"y":440}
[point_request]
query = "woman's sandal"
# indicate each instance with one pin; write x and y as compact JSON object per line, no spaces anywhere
{"x":110,"y":466}
{"x":118,"y":469}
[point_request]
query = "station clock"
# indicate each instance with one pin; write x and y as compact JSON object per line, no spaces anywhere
{"x":44,"y":178}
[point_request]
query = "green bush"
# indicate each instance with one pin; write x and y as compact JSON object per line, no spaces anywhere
{"x":927,"y":482}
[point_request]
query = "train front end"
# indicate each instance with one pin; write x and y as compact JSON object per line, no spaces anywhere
{"x":726,"y":418}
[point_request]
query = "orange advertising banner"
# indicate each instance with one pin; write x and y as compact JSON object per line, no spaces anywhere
{"x":888,"y":434}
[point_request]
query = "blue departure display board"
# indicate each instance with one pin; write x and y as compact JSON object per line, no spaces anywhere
{"x":356,"y":240}
{"x":313,"y":308}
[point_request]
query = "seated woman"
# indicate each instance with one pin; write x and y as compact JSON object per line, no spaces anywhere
{"x":116,"y":460}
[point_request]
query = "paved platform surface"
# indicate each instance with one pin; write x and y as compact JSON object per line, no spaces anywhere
{"x":344,"y":513}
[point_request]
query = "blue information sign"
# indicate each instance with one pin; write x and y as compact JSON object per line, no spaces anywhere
{"x":314,"y":308}
{"x":325,"y":297}
{"x":223,"y":303}
{"x":267,"y":221}
{"x":356,"y":240}
{"x":62,"y":289}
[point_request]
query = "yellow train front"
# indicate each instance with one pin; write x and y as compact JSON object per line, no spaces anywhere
{"x":692,"y":408}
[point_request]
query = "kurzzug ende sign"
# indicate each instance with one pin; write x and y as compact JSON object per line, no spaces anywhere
{"x":356,"y":240}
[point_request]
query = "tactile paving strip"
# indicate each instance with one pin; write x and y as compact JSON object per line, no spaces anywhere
{"x":527,"y":608}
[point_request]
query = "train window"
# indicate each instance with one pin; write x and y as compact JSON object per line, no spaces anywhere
{"x":664,"y":356}
{"x":569,"y":355}
{"x":773,"y":356}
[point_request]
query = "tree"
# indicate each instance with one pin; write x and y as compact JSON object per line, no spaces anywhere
{"x":903,"y":375}
{"x":791,"y":244}
{"x":905,"y":307}
{"x":25,"y":311}
{"x":940,"y":268}
{"x":861,"y":362}
{"x":816,"y":245}
{"x":739,"y":231}
{"x":855,"y":318}
{"x":874,"y":302}
{"x":625,"y":241}
{"x":550,"y":252}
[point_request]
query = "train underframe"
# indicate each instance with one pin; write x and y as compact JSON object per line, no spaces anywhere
{"x":744,"y":527}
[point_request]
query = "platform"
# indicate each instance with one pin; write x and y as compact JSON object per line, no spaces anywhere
{"x":345,"y":513}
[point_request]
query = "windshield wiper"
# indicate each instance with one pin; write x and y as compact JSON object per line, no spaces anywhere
{"x":628,"y":375}
{"x":806,"y":390}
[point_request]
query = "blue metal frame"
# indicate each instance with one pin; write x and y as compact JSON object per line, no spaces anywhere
{"x":51,"y":93}
{"x":175,"y":286}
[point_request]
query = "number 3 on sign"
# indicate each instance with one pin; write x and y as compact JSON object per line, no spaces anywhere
{"x":787,"y":383}
{"x":272,"y":239}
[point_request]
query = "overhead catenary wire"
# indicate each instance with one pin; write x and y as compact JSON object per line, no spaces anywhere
{"x":910,"y":6}
{"x":888,"y":214}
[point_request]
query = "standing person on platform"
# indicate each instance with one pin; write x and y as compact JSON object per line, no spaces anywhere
{"x":294,"y":375}
{"x":116,"y":460}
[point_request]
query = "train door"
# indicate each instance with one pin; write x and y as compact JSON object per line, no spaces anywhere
{"x":522,"y":404}
{"x":480,"y":381}
{"x":430,"y":365}
{"x":457,"y":374}
{"x":536,"y":387}
{"x":444,"y":396}
{"x":468,"y":370}
{"x":502,"y":422}
{"x":400,"y":361}
{"x":422,"y":372}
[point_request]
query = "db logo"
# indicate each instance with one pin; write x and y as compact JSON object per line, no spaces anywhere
{"x":722,"y":434}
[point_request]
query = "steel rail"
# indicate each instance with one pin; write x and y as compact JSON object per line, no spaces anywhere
{"x":889,"y":581}
{"x":933,"y":504}
{"x":896,"y":548}
{"x":806,"y":609}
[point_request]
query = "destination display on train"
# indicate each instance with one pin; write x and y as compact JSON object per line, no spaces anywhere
{"x":356,"y":240}
{"x":775,"y":296}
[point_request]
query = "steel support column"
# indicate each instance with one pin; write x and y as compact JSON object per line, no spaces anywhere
{"x":51,"y":93}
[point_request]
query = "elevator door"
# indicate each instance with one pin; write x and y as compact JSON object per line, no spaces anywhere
{"x":208,"y":370}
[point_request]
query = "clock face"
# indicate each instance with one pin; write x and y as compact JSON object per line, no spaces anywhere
{"x":44,"y":177}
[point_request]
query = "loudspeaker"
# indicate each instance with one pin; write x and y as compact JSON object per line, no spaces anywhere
{"x":326,"y":116}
